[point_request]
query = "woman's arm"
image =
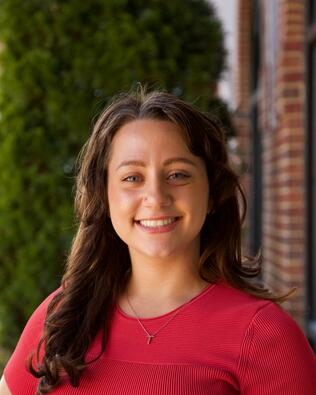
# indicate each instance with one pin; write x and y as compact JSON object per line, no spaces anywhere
{"x":4,"y":390}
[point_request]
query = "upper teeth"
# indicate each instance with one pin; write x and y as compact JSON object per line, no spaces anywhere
{"x":154,"y":223}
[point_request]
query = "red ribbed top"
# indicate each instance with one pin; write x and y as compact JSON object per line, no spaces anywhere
{"x":222,"y":342}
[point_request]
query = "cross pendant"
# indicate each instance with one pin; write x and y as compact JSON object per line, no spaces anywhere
{"x":149,"y":338}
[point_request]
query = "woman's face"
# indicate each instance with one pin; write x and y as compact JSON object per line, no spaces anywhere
{"x":157,"y":190}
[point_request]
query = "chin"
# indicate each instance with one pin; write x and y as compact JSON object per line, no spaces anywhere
{"x":157,"y":252}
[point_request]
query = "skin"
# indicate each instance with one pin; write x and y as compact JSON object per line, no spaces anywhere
{"x":147,"y":180}
{"x":4,"y":390}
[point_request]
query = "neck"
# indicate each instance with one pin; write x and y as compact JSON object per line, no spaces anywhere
{"x":153,"y":295}
{"x":165,"y":279}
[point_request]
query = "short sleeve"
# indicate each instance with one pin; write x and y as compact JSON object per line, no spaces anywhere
{"x":276,"y":357}
{"x":17,"y":377}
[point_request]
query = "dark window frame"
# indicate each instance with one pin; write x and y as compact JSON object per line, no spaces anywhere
{"x":256,"y":160}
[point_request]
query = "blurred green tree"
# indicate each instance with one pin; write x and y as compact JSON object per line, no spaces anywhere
{"x":60,"y":63}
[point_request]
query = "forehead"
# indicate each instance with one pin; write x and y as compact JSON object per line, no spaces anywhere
{"x":149,"y":137}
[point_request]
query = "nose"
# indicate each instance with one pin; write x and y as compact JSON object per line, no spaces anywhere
{"x":157,"y":194}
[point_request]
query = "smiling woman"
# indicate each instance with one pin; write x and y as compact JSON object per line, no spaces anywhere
{"x":156,"y":297}
{"x":156,"y":186}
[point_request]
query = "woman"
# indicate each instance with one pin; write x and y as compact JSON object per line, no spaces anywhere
{"x":155,"y":298}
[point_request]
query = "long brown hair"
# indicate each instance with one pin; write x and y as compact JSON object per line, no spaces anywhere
{"x":98,"y":264}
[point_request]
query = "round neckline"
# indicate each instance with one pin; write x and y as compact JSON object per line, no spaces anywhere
{"x":189,"y":302}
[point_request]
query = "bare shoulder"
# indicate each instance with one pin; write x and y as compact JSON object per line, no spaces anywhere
{"x":4,"y":390}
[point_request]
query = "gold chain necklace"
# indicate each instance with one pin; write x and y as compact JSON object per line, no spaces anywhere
{"x":149,"y":335}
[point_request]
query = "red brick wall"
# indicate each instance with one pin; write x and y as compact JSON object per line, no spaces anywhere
{"x":281,"y":121}
{"x":283,"y":158}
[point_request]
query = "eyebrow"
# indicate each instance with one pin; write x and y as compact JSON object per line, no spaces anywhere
{"x":167,"y":162}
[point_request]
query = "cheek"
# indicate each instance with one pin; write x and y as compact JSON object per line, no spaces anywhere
{"x":111,"y":195}
{"x":199,"y":197}
{"x":120,"y":210}
{"x":200,"y":204}
{"x":120,"y":200}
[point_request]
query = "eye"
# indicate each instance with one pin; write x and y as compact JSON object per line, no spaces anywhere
{"x":178,"y":176}
{"x":132,"y":178}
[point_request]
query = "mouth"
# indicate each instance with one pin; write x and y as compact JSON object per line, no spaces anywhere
{"x":160,"y":223}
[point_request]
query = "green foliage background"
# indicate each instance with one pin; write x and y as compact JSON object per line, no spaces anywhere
{"x":60,"y":63}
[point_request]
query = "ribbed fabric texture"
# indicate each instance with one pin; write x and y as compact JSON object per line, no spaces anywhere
{"x":222,"y":342}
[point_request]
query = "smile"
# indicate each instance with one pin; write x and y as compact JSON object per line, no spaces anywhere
{"x":157,"y":223}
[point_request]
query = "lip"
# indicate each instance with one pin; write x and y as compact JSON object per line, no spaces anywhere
{"x":160,"y":229}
